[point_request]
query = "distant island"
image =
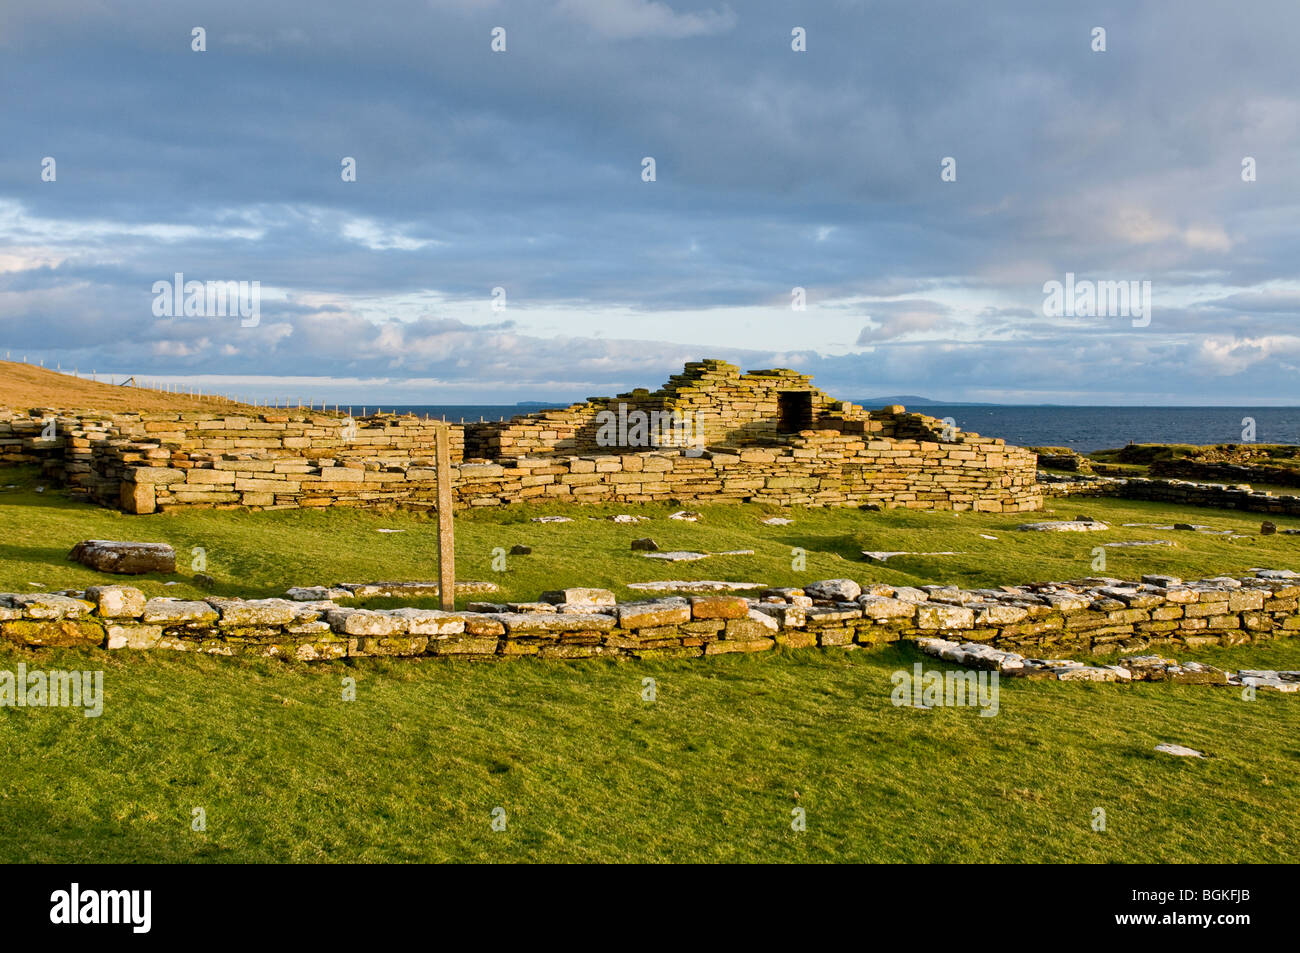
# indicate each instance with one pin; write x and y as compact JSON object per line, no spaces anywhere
{"x":911,"y":400}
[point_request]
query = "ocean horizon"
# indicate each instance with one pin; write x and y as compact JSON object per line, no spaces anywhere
{"x":1084,"y":428}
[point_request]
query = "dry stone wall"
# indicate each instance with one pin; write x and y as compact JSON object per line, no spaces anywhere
{"x":213,"y":459}
{"x":1206,"y":471}
{"x":1091,"y":616}
{"x":721,"y":405}
{"x":147,"y":463}
{"x":1179,"y":492}
{"x":815,"y":469}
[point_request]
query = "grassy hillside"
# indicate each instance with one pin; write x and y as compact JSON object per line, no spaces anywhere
{"x":23,"y":386}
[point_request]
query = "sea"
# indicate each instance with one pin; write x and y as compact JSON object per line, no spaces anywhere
{"x":1082,"y":428}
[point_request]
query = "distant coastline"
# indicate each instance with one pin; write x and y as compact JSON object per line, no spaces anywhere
{"x":1027,"y":425}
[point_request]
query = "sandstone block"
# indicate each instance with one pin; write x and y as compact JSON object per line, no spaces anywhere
{"x":637,"y":615}
{"x":719,"y":607}
{"x":884,"y":607}
{"x":479,"y":626}
{"x":468,"y":646}
{"x":117,"y":602}
{"x":139,"y":498}
{"x":747,"y":645}
{"x":1244,"y":600}
{"x":934,"y":616}
{"x":178,"y":612}
{"x":51,"y":606}
{"x":133,"y":636}
{"x":835,"y":590}
{"x":256,"y":612}
{"x":53,"y":632}
{"x":579,"y":597}
{"x":434,"y":622}
{"x":786,"y":616}
{"x":522,"y":623}
{"x":747,"y":630}
{"x":127,"y":558}
{"x":366,"y":622}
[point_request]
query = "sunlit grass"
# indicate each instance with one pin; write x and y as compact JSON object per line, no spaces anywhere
{"x":264,"y":553}
{"x":286,"y":770}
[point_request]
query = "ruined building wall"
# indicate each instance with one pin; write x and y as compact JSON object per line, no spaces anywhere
{"x":143,"y":464}
{"x":723,"y":406}
{"x":846,"y":456}
{"x":1098,"y":616}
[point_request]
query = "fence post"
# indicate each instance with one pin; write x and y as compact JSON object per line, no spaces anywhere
{"x":446,"y":534}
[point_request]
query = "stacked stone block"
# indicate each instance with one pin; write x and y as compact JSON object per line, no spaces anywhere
{"x":1177,"y":492}
{"x":144,"y":464}
{"x":1090,"y":616}
{"x":727,"y":409}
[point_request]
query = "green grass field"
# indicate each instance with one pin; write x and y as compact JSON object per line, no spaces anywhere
{"x":264,"y":553}
{"x":285,"y":770}
{"x":584,"y":768}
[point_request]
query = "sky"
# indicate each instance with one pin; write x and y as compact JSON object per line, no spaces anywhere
{"x":502,"y":242}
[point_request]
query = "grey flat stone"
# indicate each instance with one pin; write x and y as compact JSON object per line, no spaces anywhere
{"x":1179,"y":751}
{"x":127,"y":558}
{"x":697,"y":585}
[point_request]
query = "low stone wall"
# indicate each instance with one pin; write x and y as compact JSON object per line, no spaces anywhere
{"x":1205,"y":471}
{"x":815,"y":469}
{"x":1180,"y":492}
{"x":96,"y":454}
{"x":1097,"y":616}
{"x":144,"y":464}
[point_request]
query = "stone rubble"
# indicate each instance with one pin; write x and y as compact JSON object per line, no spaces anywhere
{"x":1146,"y":668}
{"x":696,"y":585}
{"x":1063,"y":526}
{"x":370,"y":590}
{"x":1020,"y":630}
{"x":1179,"y":492}
{"x":124,"y":558}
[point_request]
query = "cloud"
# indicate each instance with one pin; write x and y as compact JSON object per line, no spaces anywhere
{"x":894,"y":320}
{"x":644,"y":19}
{"x":376,"y":237}
{"x":1262,"y":301}
{"x":776,"y":170}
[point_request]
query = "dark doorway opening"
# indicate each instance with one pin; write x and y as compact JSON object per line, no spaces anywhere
{"x":794,"y":408}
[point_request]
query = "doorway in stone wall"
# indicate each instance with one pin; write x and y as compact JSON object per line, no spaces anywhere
{"x":794,"y":411}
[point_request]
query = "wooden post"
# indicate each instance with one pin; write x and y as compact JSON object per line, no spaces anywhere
{"x":446,"y":534}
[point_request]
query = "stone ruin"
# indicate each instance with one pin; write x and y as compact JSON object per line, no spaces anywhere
{"x":711,"y":403}
{"x":1016,"y":630}
{"x":712,"y":434}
